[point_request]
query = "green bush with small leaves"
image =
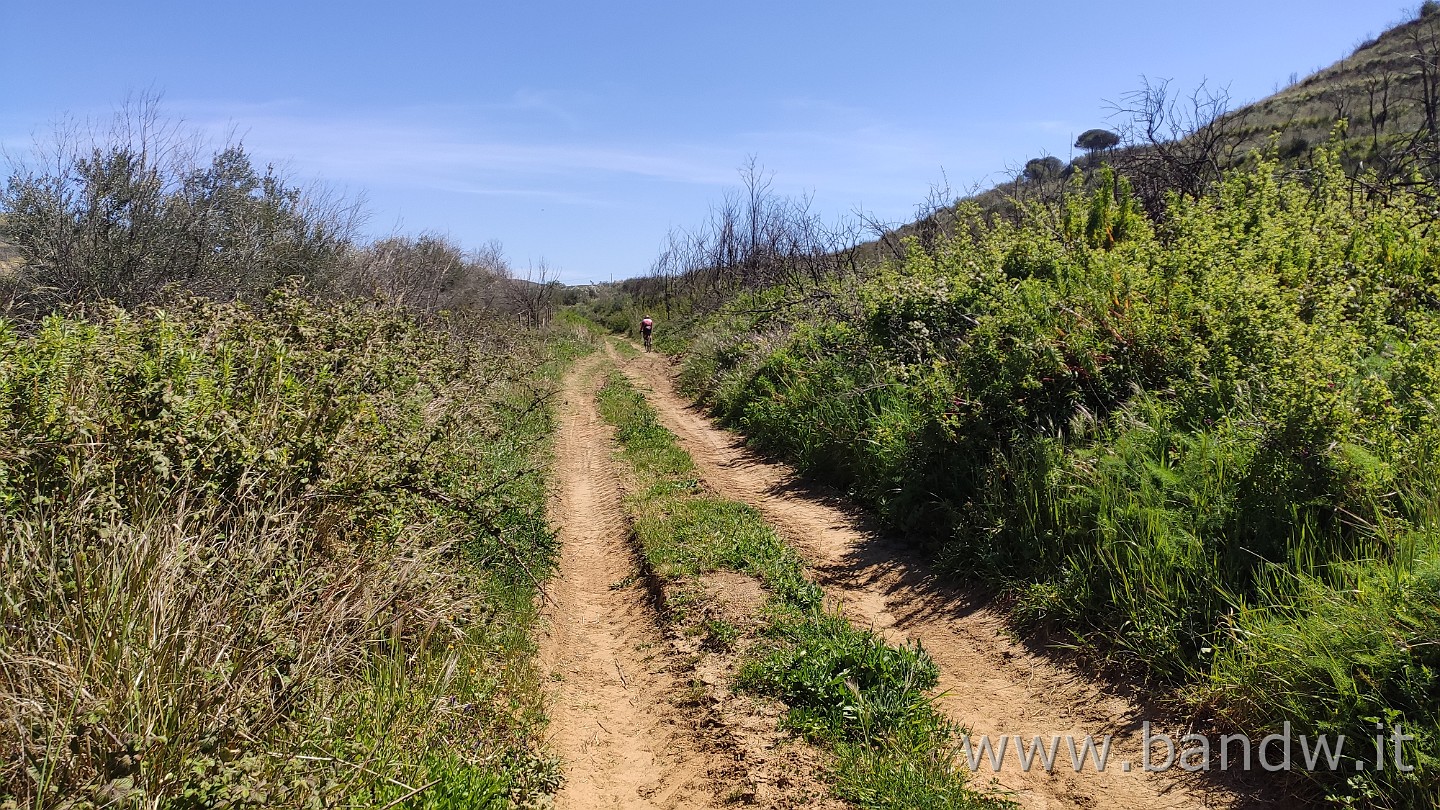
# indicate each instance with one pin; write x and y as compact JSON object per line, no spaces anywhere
{"x":1203,"y":450}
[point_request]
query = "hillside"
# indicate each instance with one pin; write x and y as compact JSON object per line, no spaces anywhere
{"x":1176,"y":412}
{"x":1388,"y":87}
{"x":1181,"y":139}
{"x":1176,"y":139}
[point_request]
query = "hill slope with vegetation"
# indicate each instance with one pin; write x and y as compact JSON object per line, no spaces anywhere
{"x":1205,"y":452}
{"x":1377,"y":109}
{"x":1388,"y":88}
{"x":271,"y":499}
{"x":1196,"y":440}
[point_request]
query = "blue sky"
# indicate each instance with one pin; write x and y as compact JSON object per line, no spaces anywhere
{"x":581,"y":132}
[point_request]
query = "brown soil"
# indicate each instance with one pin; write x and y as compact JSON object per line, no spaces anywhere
{"x":614,"y":721}
{"x":773,"y":768}
{"x":990,"y":683}
{"x":642,"y":714}
{"x":738,"y":597}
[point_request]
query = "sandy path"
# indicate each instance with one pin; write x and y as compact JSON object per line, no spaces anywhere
{"x":614,"y":721}
{"x":991,"y":684}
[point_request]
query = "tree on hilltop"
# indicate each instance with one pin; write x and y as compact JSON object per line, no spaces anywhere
{"x":1096,"y":140}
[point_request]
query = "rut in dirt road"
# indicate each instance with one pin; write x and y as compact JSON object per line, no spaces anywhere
{"x":990,"y":684}
{"x":614,"y":721}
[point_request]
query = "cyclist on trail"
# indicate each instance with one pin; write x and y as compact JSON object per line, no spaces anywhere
{"x":646,"y":327}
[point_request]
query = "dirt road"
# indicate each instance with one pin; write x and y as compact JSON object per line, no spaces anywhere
{"x":615,"y":719}
{"x":991,"y":684}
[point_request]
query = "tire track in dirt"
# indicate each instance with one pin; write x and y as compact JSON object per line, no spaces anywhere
{"x":614,"y":720}
{"x":990,"y":684}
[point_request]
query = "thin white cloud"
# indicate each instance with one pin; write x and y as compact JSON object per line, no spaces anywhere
{"x":539,"y":101}
{"x":559,"y":197}
{"x":379,"y":151}
{"x":500,"y":149}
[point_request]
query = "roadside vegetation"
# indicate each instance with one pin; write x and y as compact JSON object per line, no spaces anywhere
{"x":1174,"y":404}
{"x":280,"y":555}
{"x":1201,"y":450}
{"x":866,"y":701}
{"x":271,"y":501}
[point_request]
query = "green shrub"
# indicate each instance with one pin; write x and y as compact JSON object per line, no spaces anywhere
{"x":1143,"y":430}
{"x":275,"y":555}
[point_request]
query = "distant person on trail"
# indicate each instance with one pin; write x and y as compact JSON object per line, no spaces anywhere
{"x":646,"y":327}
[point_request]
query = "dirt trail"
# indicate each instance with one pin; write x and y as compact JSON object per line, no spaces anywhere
{"x":991,"y":684}
{"x":614,"y":716}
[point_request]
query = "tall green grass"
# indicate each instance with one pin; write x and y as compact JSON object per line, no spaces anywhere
{"x":1202,"y":450}
{"x":846,"y":688}
{"x":273,"y":556}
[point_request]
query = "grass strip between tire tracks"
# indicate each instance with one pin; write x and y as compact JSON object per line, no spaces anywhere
{"x":868,"y":702}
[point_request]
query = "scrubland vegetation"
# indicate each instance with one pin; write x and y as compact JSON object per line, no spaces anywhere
{"x":1190,"y":433}
{"x":271,"y":497}
{"x":270,"y":530}
{"x":1202,"y":450}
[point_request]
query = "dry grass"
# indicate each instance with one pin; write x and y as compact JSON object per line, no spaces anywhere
{"x":274,"y":558}
{"x":179,"y":633}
